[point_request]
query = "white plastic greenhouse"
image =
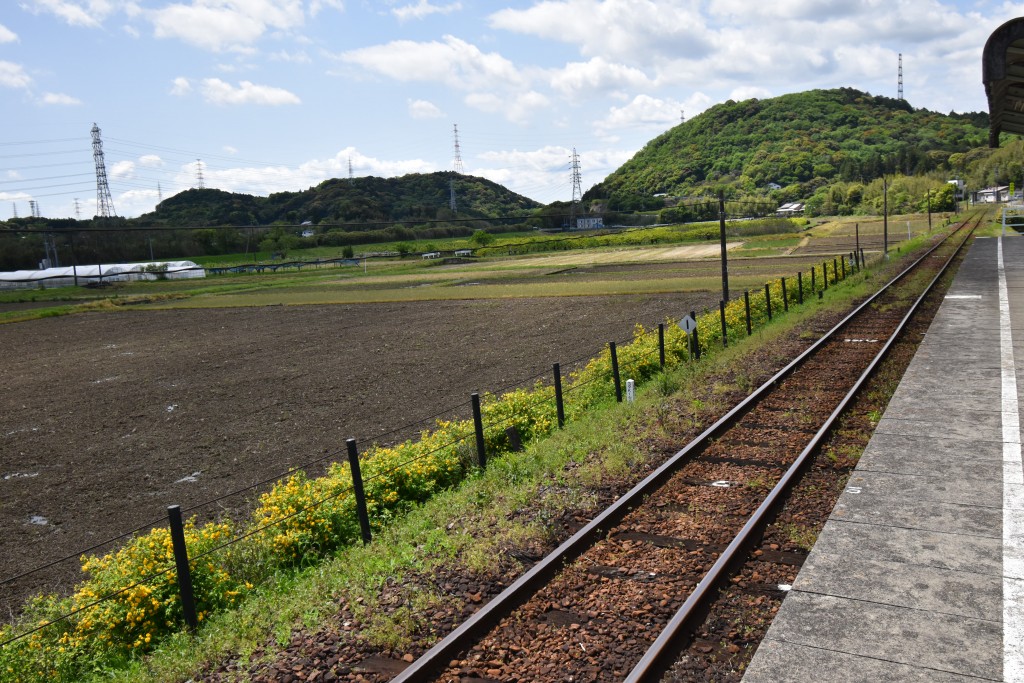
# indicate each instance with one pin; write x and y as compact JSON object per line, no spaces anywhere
{"x":108,"y":272}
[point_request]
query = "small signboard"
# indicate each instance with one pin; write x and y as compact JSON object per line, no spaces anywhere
{"x":688,"y":324}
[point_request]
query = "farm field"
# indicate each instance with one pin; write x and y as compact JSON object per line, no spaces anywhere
{"x":105,"y":419}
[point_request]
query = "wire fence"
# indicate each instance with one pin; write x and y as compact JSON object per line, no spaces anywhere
{"x":593,"y":373}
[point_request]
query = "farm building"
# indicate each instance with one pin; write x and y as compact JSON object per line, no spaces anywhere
{"x":110,"y":272}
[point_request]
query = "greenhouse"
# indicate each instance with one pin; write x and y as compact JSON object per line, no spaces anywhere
{"x":98,"y":275}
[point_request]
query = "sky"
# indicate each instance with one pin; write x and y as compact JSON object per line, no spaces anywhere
{"x":263,"y":96}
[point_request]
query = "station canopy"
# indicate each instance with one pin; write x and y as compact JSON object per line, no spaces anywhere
{"x":1003,"y":76}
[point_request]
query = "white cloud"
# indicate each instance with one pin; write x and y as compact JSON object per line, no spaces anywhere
{"x":13,"y":75}
{"x":59,"y":99}
{"x":629,"y":31}
{"x":181,"y":86}
{"x":219,"y":25}
{"x":518,"y":108}
{"x":12,"y":175}
{"x":131,"y":30}
{"x":597,"y":76}
{"x":217,"y":91}
{"x":151,"y":161}
{"x":645,"y":112}
{"x":229,"y":149}
{"x":123,"y":169}
{"x":421,"y":109}
{"x":88,"y":13}
{"x":7,"y":35}
{"x":291,"y":57}
{"x":453,"y":62}
{"x":424,"y":8}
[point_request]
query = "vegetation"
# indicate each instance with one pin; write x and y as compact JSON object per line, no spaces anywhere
{"x":799,"y":142}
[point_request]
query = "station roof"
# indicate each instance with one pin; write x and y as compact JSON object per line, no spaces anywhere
{"x":1003,"y":76}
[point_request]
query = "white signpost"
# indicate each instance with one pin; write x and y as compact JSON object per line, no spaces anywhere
{"x":688,"y":324}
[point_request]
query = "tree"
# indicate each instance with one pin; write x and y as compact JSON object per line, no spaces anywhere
{"x":482,"y":238}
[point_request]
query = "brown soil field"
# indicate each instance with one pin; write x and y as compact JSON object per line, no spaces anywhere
{"x":108,"y":418}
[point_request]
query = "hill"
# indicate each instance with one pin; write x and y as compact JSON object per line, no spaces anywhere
{"x":412,"y":198}
{"x":799,"y":142}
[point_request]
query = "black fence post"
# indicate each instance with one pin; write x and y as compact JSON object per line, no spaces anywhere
{"x":478,"y":428}
{"x":696,"y":339}
{"x":835,"y":271}
{"x":559,"y":406}
{"x":862,"y":261}
{"x":768,"y":299}
{"x":813,"y":285}
{"x":824,"y":275}
{"x":188,"y":602}
{"x":746,"y":305}
{"x":725,"y":328}
{"x":842,"y":262}
{"x":615,"y":372}
{"x":785,"y":296}
{"x":800,"y":286}
{"x":661,"y":344}
{"x":357,"y":489}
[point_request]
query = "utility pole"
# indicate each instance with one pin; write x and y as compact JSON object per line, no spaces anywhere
{"x":577,"y":188}
{"x":721,"y":232}
{"x":104,"y":203}
{"x":457,"y":158}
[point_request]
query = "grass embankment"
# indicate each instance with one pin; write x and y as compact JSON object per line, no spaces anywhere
{"x":464,"y":527}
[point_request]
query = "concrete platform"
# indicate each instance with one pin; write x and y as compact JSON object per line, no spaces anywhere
{"x":918,"y":574}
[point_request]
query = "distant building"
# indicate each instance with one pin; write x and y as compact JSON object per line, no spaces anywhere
{"x":992,"y":195}
{"x":774,"y":186}
{"x":308,"y":232}
{"x":463,"y":252}
{"x":790,"y":209}
{"x":595,"y":223}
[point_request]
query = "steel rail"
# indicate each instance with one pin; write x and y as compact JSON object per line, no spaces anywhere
{"x":662,"y":653}
{"x":427,"y":665}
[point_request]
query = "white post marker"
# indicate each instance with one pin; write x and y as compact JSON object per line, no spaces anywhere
{"x":1013,"y":495}
{"x":630,"y":391}
{"x":688,"y":324}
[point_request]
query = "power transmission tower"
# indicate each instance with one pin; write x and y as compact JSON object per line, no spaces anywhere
{"x":350,"y":168}
{"x":458,"y":152}
{"x":33,"y":207}
{"x":104,"y":203}
{"x":78,"y":210}
{"x":14,"y":208}
{"x":899,"y":96}
{"x":159,"y":193}
{"x":199,"y":174}
{"x":577,"y":189}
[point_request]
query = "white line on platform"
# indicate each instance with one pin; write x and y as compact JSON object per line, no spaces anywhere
{"x":1013,"y":476}
{"x":963,"y":296}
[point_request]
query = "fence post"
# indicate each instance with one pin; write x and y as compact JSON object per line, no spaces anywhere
{"x":357,"y":488}
{"x":746,"y":305}
{"x":478,"y":428}
{"x":725,"y":328}
{"x":813,"y":285}
{"x":559,"y":406}
{"x":835,"y":271}
{"x":824,"y":275}
{"x":800,"y":286}
{"x":862,"y":261}
{"x":188,"y":603}
{"x":661,"y":345}
{"x":842,"y":262}
{"x":768,"y":299}
{"x":785,"y":296}
{"x":615,"y":372}
{"x":696,"y":339}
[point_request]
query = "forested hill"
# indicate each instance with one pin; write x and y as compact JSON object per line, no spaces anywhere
{"x":800,"y":142}
{"x":411,"y":198}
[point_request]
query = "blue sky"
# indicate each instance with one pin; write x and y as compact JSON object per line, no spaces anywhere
{"x":279,"y":95}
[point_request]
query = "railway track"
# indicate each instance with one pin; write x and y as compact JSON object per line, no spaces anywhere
{"x":621,"y":598}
